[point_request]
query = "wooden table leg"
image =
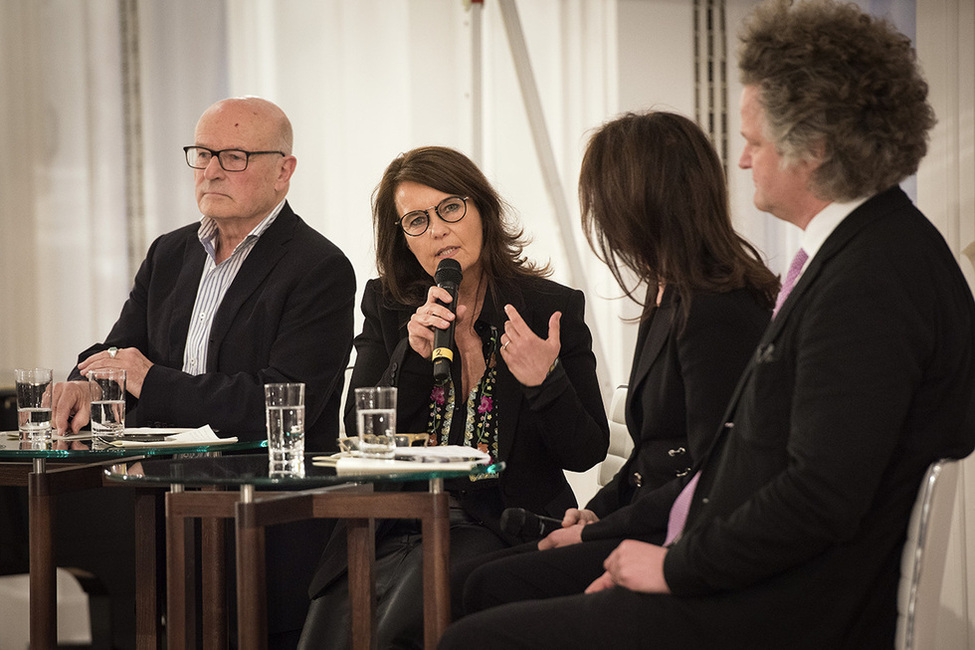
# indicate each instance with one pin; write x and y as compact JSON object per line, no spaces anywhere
{"x":362,"y":584}
{"x":149,"y":561}
{"x":43,"y":579}
{"x":251,"y":581}
{"x":180,"y":563}
{"x":215,"y":615}
{"x":436,"y":571}
{"x":44,"y":484}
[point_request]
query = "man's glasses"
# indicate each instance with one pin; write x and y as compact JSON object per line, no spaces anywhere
{"x":452,"y":209}
{"x":232,"y":160}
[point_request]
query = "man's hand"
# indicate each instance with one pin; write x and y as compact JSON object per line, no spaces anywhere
{"x":135,"y":364}
{"x":70,"y":401}
{"x":638,"y":566}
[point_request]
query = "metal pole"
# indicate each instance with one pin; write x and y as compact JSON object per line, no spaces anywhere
{"x":550,"y":172}
{"x":477,"y":84}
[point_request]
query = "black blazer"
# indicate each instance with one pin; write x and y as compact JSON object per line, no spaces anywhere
{"x":684,"y":372}
{"x":865,"y":377}
{"x":288,"y":316}
{"x":540,"y":432}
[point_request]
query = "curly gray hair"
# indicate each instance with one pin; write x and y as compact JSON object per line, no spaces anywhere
{"x":839,"y":86}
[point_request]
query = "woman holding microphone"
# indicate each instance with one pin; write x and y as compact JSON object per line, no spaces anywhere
{"x":521,"y":385}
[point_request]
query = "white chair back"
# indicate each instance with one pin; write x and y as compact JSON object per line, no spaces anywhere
{"x":924,"y":556}
{"x":620,"y":443}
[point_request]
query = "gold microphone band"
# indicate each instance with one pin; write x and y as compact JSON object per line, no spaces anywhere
{"x":443,"y":353}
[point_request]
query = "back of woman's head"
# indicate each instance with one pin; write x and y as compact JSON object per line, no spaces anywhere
{"x":449,"y":171}
{"x":653,"y":199}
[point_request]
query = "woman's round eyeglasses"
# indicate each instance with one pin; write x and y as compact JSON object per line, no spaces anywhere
{"x":452,"y":209}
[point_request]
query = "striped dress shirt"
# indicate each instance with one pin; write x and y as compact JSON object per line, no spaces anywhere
{"x":214,"y":282}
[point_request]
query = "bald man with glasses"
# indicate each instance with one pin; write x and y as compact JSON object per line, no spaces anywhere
{"x":249,"y":295}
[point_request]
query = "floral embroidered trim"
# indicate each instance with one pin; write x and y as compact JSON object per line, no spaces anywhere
{"x":441,"y":413}
{"x":480,"y":419}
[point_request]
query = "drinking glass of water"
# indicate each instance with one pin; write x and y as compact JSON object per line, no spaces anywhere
{"x":107,"y":390}
{"x":376,"y":416}
{"x":285,"y":410}
{"x":34,"y":387}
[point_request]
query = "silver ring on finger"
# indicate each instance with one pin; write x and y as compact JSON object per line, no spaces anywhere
{"x":504,"y":346}
{"x":112,"y":352}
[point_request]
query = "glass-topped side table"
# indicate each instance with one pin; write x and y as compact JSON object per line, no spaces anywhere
{"x":321,"y":491}
{"x":60,"y":466}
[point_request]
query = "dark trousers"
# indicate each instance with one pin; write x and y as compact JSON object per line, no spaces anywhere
{"x":622,"y":619}
{"x":524,"y":573}
{"x":536,"y":600}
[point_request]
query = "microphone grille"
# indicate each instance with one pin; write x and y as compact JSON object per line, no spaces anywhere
{"x":512,"y":520}
{"x":448,"y":271}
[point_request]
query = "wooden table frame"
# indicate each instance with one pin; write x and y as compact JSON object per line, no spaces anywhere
{"x":44,"y":484}
{"x":358,"y":505}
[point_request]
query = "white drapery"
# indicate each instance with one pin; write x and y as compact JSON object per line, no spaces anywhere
{"x":62,"y":236}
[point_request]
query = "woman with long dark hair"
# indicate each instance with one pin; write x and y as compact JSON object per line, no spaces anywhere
{"x":655,"y":209}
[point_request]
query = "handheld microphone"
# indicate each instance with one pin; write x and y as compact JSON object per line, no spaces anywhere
{"x":527,"y":525}
{"x":448,"y":276}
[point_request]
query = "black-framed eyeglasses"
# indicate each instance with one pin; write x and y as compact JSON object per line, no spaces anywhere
{"x":232,"y":160}
{"x":452,"y":209}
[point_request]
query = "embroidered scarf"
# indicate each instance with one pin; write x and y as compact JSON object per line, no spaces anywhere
{"x":480,"y":430}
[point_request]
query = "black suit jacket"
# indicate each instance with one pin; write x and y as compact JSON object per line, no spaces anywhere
{"x":287,"y":316}
{"x":684,"y":372}
{"x":542,"y":431}
{"x":865,"y":377}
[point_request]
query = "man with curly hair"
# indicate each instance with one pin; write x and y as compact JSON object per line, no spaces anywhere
{"x":789,"y":533}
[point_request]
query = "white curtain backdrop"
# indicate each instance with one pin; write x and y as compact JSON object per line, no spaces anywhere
{"x":62,"y":226}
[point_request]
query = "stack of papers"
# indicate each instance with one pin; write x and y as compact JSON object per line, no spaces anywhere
{"x":146,"y":437}
{"x":413,"y":459}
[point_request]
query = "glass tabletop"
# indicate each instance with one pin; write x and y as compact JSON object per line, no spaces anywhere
{"x":13,"y":448}
{"x":252,"y":469}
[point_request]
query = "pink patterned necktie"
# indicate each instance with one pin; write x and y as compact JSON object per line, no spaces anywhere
{"x":678,"y":511}
{"x":790,"y":279}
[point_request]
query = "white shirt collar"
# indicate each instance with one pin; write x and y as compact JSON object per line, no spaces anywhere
{"x":821,"y":226}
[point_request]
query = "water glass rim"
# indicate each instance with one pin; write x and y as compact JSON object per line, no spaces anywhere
{"x":287,"y":393}
{"x":106,"y":372}
{"x":25,"y":371}
{"x":380,"y":389}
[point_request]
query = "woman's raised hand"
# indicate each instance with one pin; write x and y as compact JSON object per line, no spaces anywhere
{"x":529,"y":357}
